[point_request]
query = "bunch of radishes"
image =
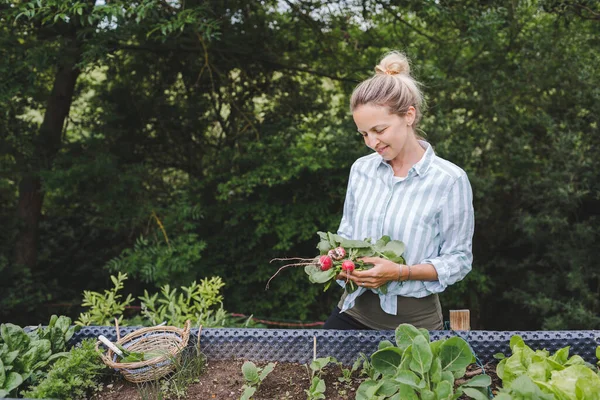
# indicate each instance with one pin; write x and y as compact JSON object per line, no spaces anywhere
{"x":326,"y":261}
{"x":327,"y":266}
{"x":339,"y":254}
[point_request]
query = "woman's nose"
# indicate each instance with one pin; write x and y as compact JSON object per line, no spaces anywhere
{"x":371,"y":140}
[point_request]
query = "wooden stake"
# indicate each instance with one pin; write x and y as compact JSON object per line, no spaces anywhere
{"x":314,"y":348}
{"x":460,"y":320}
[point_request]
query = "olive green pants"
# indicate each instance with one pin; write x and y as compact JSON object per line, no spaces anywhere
{"x":425,"y":312}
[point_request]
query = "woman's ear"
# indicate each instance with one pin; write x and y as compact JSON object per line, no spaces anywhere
{"x":410,"y":115}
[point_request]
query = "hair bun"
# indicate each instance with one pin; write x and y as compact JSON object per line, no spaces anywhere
{"x":393,"y":63}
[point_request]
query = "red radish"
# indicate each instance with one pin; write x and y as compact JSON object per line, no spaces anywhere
{"x":337,"y":254}
{"x":325,"y":262}
{"x":348,"y":266}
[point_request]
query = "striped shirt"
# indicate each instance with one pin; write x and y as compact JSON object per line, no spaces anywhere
{"x":430,"y":210}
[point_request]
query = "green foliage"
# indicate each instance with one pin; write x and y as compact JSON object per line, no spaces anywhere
{"x":530,"y":374}
{"x":105,"y":307}
{"x":317,"y":389}
{"x":134,"y":356}
{"x":317,"y":384}
{"x":202,"y":303}
{"x":58,"y":331}
{"x":187,"y":369}
{"x":417,"y":368}
{"x":26,"y":356}
{"x":383,"y":247}
{"x":196,"y":302}
{"x":75,"y":376}
{"x":366,"y":367}
{"x":240,"y":109}
{"x":254,"y":376}
{"x":159,"y":262}
{"x":347,"y":372}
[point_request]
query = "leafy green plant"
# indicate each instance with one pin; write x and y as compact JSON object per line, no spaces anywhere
{"x":419,"y":369}
{"x":58,"y":331}
{"x":74,"y":376}
{"x":104,"y":307}
{"x":366,"y":368}
{"x":25,"y":356}
{"x":523,"y":388}
{"x":317,"y":384}
{"x":254,"y":376}
{"x":197,"y":303}
{"x":317,"y":389}
{"x":556,"y":376}
{"x":347,"y":372}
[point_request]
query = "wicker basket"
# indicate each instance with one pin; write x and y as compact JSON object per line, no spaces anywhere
{"x":169,"y":340}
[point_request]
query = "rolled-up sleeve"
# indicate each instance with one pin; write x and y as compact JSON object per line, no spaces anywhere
{"x":457,"y":223}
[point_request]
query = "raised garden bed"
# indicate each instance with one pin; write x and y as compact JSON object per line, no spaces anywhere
{"x":297,"y":345}
{"x":224,"y":380}
{"x":293,"y":350}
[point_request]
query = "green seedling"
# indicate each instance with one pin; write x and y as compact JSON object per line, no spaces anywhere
{"x":254,"y":376}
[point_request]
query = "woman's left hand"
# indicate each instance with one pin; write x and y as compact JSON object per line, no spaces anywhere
{"x":382,"y":272}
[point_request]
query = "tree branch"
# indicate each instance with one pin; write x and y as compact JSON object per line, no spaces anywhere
{"x":595,"y":15}
{"x":275,"y":65}
{"x":397,"y":17}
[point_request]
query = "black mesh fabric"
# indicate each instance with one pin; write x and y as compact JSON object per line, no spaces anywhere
{"x":297,"y":345}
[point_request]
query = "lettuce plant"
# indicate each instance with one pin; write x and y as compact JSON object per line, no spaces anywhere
{"x":535,"y":374}
{"x":416,"y":368}
{"x":25,"y":356}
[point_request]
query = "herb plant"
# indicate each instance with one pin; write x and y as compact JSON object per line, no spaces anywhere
{"x":105,"y":307}
{"x":199,"y":302}
{"x":187,"y":369}
{"x":75,"y":376}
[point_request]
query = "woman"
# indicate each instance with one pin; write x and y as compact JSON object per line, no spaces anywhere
{"x":403,"y":190}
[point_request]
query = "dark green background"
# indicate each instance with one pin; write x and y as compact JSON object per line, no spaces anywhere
{"x":228,"y":122}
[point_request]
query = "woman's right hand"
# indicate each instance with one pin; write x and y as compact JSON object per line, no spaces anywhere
{"x":383,"y":271}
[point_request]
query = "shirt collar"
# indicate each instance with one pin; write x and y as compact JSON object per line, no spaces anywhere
{"x":424,"y":163}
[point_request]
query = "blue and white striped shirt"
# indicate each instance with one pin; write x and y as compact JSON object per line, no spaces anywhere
{"x":430,"y":210}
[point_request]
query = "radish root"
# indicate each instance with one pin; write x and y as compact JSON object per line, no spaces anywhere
{"x":303,"y":262}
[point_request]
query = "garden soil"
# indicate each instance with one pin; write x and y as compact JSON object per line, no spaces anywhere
{"x":224,"y":380}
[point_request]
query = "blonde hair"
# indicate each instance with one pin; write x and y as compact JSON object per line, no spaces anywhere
{"x":392,"y":86}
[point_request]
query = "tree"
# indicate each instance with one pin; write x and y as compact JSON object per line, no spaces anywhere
{"x":186,"y":156}
{"x":50,"y":43}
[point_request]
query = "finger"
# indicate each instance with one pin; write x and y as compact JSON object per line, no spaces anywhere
{"x":364,"y":274}
{"x":344,"y":275}
{"x":370,"y":260}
